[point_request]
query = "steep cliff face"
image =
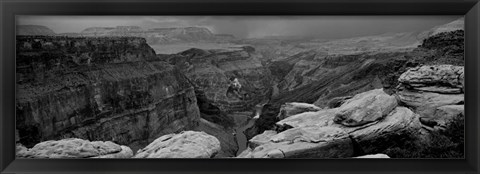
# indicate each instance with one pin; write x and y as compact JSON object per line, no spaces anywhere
{"x":99,"y":89}
{"x":212,"y":71}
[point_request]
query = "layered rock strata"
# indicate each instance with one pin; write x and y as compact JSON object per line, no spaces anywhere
{"x":99,"y":89}
{"x":436,"y":92}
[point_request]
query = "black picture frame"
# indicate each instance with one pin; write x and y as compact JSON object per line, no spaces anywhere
{"x":10,"y":8}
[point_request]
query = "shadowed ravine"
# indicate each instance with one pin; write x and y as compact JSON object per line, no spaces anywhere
{"x":239,"y":132}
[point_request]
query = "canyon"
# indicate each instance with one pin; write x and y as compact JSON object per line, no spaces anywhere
{"x":250,"y":98}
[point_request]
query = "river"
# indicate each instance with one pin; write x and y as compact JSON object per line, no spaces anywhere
{"x":239,"y":132}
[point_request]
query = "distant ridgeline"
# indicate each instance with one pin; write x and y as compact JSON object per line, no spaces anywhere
{"x":153,"y":36}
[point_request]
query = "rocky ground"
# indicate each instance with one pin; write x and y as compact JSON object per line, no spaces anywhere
{"x":115,"y":97}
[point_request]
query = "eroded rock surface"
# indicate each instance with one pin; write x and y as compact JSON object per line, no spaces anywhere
{"x":426,"y":88}
{"x":372,"y":136}
{"x":187,"y":144}
{"x":442,"y":116}
{"x":75,"y":148}
{"x":365,"y":107}
{"x":108,"y":89}
{"x":434,"y":75}
{"x":294,"y":108}
{"x":313,"y":141}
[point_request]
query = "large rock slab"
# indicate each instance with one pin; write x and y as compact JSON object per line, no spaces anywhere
{"x":261,"y":138}
{"x":375,"y":136}
{"x":293,"y":108}
{"x":320,"y":118}
{"x":187,"y":144}
{"x":443,"y":115}
{"x":365,"y":108}
{"x":425,"y":100}
{"x":311,"y":142}
{"x":75,"y":148}
{"x":446,"y":75}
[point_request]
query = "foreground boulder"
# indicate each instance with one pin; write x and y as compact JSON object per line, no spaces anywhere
{"x":293,"y":108}
{"x":378,"y":136}
{"x":311,"y":141}
{"x":75,"y":148}
{"x":365,"y":107}
{"x":187,"y":144}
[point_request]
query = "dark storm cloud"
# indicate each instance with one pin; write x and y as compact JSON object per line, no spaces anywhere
{"x":330,"y":27}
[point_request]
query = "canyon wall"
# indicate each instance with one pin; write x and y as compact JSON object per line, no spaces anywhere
{"x":109,"y":89}
{"x":211,"y":72}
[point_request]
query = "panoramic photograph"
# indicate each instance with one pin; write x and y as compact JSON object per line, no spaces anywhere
{"x":311,"y":87}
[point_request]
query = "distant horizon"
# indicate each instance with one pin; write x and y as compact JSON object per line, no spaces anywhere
{"x":325,"y":27}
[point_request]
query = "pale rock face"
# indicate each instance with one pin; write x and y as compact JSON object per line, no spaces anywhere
{"x":314,"y":131}
{"x":444,"y":114}
{"x":426,"y":88}
{"x":400,"y":119}
{"x":447,"y":75}
{"x":365,"y":108}
{"x":319,"y":118}
{"x":374,"y":156}
{"x":424,"y":100}
{"x":75,"y":148}
{"x":293,"y":108}
{"x":261,"y":138}
{"x":125,"y":153}
{"x":187,"y":144}
{"x":312,"y":141}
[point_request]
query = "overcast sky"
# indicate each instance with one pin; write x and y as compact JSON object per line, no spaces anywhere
{"x":329,"y":27}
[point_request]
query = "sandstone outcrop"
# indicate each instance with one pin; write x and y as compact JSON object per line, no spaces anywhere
{"x":426,"y":88}
{"x":442,"y":116}
{"x":313,"y":141}
{"x":434,"y":75}
{"x":187,"y":144}
{"x":365,"y":108}
{"x":75,"y":148}
{"x":378,"y":121}
{"x":294,"y":108}
{"x":108,"y":89}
